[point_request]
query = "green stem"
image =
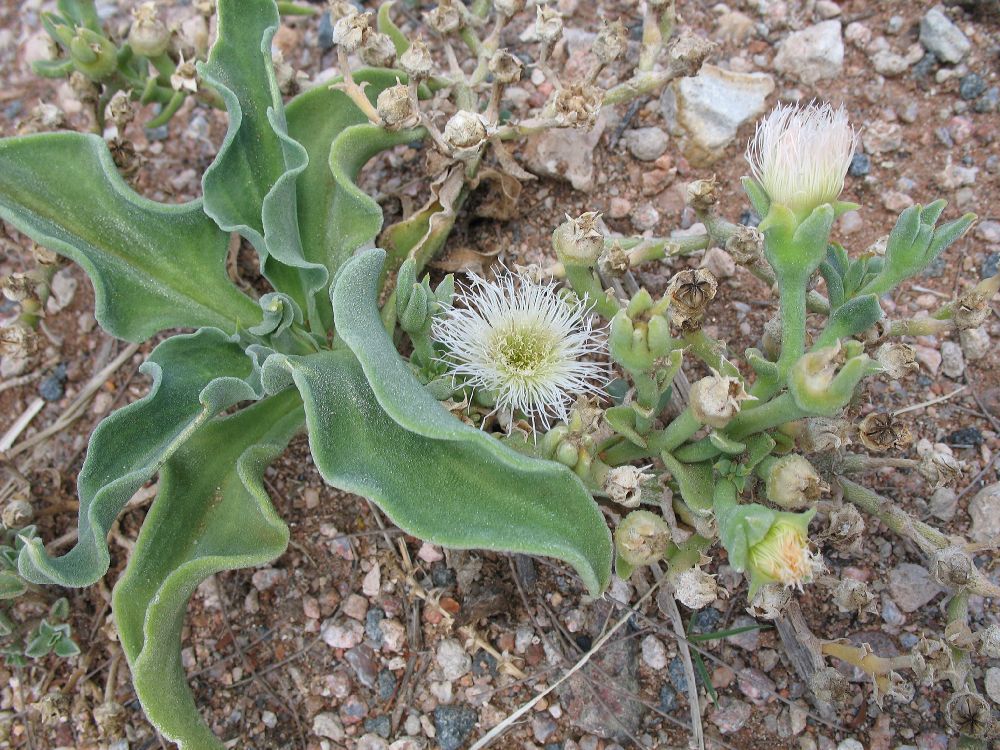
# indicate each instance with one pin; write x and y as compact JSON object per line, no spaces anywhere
{"x":676,"y":433}
{"x":175,"y":103}
{"x":767,"y":416}
{"x":585,"y":284}
{"x":926,"y":537}
{"x":792,"y":296}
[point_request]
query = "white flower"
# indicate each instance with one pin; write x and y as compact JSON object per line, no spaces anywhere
{"x":522,"y":343}
{"x":800,"y":155}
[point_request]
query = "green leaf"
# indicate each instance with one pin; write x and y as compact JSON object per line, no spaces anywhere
{"x":387,"y":26}
{"x":375,"y":430}
{"x":211,"y":514}
{"x":250,"y":188}
{"x":758,"y":196}
{"x":695,"y":482}
{"x":335,"y":216}
{"x":195,"y":377}
{"x":853,"y":317}
{"x":11,"y":584}
{"x":154,"y":266}
{"x":622,"y":420}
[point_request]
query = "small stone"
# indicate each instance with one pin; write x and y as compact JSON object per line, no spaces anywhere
{"x":362,"y":661}
{"x":430,"y":553}
{"x":719,"y":262}
{"x":53,"y":385}
{"x":970,"y":86}
{"x":654,"y":653}
{"x":827,"y":9}
{"x":911,"y":586}
{"x":646,"y":144}
{"x":988,"y":102}
{"x":975,"y":343}
{"x":380,"y":725}
{"x":985,"y":513}
{"x":373,"y":622}
{"x":896,"y":201}
{"x":889,"y":64}
{"x":882,"y":137}
{"x":895,"y":25}
{"x":988,"y":231}
{"x":860,"y":166}
{"x":619,"y":208}
{"x":965,"y":436}
{"x":993,"y":684}
{"x":267,"y":578}
{"x":346,"y":635}
{"x":356,"y":606}
{"x":940,"y":36}
{"x":705,"y":620}
{"x":952,"y":361}
{"x":730,"y":715}
{"x":328,"y":725}
{"x":371,"y":584}
{"x":858,"y":34}
{"x":929,"y":357}
{"x":747,"y":640}
{"x":453,"y":724}
{"x":755,"y":685}
{"x":675,"y":671}
{"x":543,"y":727}
{"x":890,"y":612}
{"x":645,"y":217}
{"x":324,"y":35}
{"x":955,"y":176}
{"x":812,"y":54}
{"x":566,"y":154}
{"x":387,"y":683}
{"x":353,"y":710}
{"x":371,"y":742}
{"x":944,"y":502}
{"x":668,"y":699}
{"x":452,"y":659}
{"x":850,"y":745}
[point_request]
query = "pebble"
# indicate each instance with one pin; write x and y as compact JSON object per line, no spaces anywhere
{"x":719,"y":262}
{"x":393,"y":635}
{"x":971,"y":86}
{"x":989,"y":231}
{"x":748,"y":640}
{"x":356,"y":607}
{"x":889,"y":64}
{"x":353,"y":710}
{"x":929,"y":357}
{"x":453,"y":724}
{"x":452,"y":659}
{"x":619,"y":208}
{"x":543,"y":727}
{"x":988,"y":102}
{"x":328,"y":725}
{"x":387,"y":683}
{"x":896,"y":201}
{"x":812,"y":54}
{"x":993,"y":684}
{"x":362,"y":661}
{"x":858,"y":34}
{"x":373,"y":620}
{"x":668,"y":699}
{"x":324,"y":36}
{"x":267,"y":578}
{"x":730,"y":715}
{"x":380,"y":725}
{"x":646,"y":144}
{"x":975,"y":343}
{"x":890,"y":612}
{"x":53,"y":385}
{"x":850,"y":745}
{"x":675,"y":671}
{"x":940,"y":36}
{"x":943,"y":503}
{"x":882,"y":137}
{"x":645,"y":217}
{"x":755,"y":685}
{"x":654,"y":653}
{"x":861,"y":165}
{"x":952,"y":360}
{"x":911,"y":586}
{"x":827,"y":9}
{"x":566,"y":154}
{"x":346,"y":635}
{"x":965,"y":436}
{"x":371,"y":742}
{"x":985,"y":513}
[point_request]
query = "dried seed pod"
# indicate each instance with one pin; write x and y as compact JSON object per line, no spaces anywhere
{"x":883,"y":431}
{"x":352,"y":31}
{"x":465,"y":130}
{"x":846,"y":527}
{"x":509,"y":8}
{"x":17,"y":287}
{"x":125,"y":156}
{"x":690,"y":291}
{"x":611,"y":42}
{"x":614,"y":259}
{"x":577,"y":105}
{"x":972,"y":308}
{"x":395,"y":107}
{"x":938,"y":464}
{"x":624,"y":485}
{"x":897,"y":359}
{"x":746,"y":246}
{"x":505,"y":67}
{"x":43,"y":256}
{"x":830,"y":686}
{"x":851,"y":595}
{"x":84,"y":88}
{"x":793,"y":483}
{"x":17,"y":513}
{"x":148,"y":36}
{"x":694,"y":588}
{"x":417,"y":62}
{"x":121,"y":110}
{"x":822,"y":435}
{"x":703,"y":195}
{"x":110,"y":718}
{"x":770,"y":601}
{"x":642,"y":538}
{"x":688,"y":52}
{"x":952,"y":567}
{"x":969,"y":714}
{"x":17,"y":341}
{"x":445,"y":18}
{"x":579,"y":241}
{"x":548,"y":24}
{"x":716,"y":399}
{"x":378,"y":50}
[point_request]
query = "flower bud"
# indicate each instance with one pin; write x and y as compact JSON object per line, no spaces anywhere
{"x":769,"y":601}
{"x":793,"y":483}
{"x":883,"y":431}
{"x":548,"y":24}
{"x":579,"y":241}
{"x":897,"y":360}
{"x":611,"y":42}
{"x":989,"y":642}
{"x":969,"y":714}
{"x":378,"y":50}
{"x":445,"y":18}
{"x":845,"y":528}
{"x":952,"y":567}
{"x":465,"y":130}
{"x":716,"y":399}
{"x":642,"y":538}
{"x":694,"y":588}
{"x":938,"y":464}
{"x":783,"y":555}
{"x":689,"y":292}
{"x":818,"y":387}
{"x":624,"y":485}
{"x":505,"y":67}
{"x":851,"y":595}
{"x":352,"y":31}
{"x":148,"y":36}
{"x":509,"y":8}
{"x":17,"y":513}
{"x":395,"y":107}
{"x":93,"y":55}
{"x":417,"y":62}
{"x":577,"y":105}
{"x":830,"y":686}
{"x":746,"y":246}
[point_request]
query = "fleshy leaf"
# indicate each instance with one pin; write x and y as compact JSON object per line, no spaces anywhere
{"x":850,"y":319}
{"x":154,"y":266}
{"x":211,"y":514}
{"x":195,"y":377}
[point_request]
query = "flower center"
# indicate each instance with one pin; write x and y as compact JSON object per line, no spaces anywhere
{"x":523,"y":349}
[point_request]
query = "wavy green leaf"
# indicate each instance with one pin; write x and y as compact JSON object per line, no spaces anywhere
{"x":154,"y":266}
{"x":195,"y":377}
{"x":375,"y":430}
{"x":212,"y":513}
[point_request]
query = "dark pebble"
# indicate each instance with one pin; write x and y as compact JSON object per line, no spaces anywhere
{"x":990,"y":266}
{"x":860,"y":165}
{"x":483,"y":663}
{"x":387,"y":683}
{"x":584,"y":642}
{"x":988,"y":102}
{"x":935,"y":269}
{"x":554,"y":746}
{"x":454,"y":724}
{"x":53,"y":386}
{"x":668,"y":699}
{"x":12,"y":110}
{"x":380,"y":725}
{"x":749,"y":218}
{"x":925,"y":66}
{"x":944,"y":135}
{"x":675,"y":670}
{"x":158,"y":134}
{"x":971,"y":86}
{"x":373,"y":629}
{"x":325,"y":36}
{"x":442,"y":575}
{"x":966,"y":436}
{"x":705,"y":620}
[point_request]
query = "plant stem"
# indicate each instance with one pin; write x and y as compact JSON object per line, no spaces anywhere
{"x":775,"y":412}
{"x":585,"y":284}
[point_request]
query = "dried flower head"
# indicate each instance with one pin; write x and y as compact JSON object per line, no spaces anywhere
{"x":17,"y":287}
{"x":445,"y":18}
{"x":610,"y":42}
{"x":716,"y":399}
{"x":465,"y":130}
{"x":746,"y":245}
{"x":395,"y":107}
{"x":378,"y":50}
{"x":509,"y":8}
{"x":505,"y":67}
{"x":952,"y":567}
{"x":624,"y":484}
{"x":577,"y":104}
{"x":793,"y":483}
{"x":938,"y":464}
{"x":614,"y":260}
{"x":522,"y":342}
{"x":989,"y":642}
{"x":579,"y":241}
{"x":642,"y":537}
{"x":845,"y":528}
{"x":822,"y":434}
{"x":185,"y":77}
{"x":830,"y":686}
{"x":694,"y":588}
{"x":148,"y":36}
{"x":969,"y":714}
{"x":769,"y":601}
{"x":851,"y":595}
{"x":883,"y":431}
{"x":800,"y":155}
{"x":17,"y":513}
{"x":18,"y":341}
{"x":548,"y":23}
{"x":687,"y":53}
{"x":689,"y":292}
{"x":702,"y":195}
{"x":897,"y":359}
{"x":973,"y":307}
